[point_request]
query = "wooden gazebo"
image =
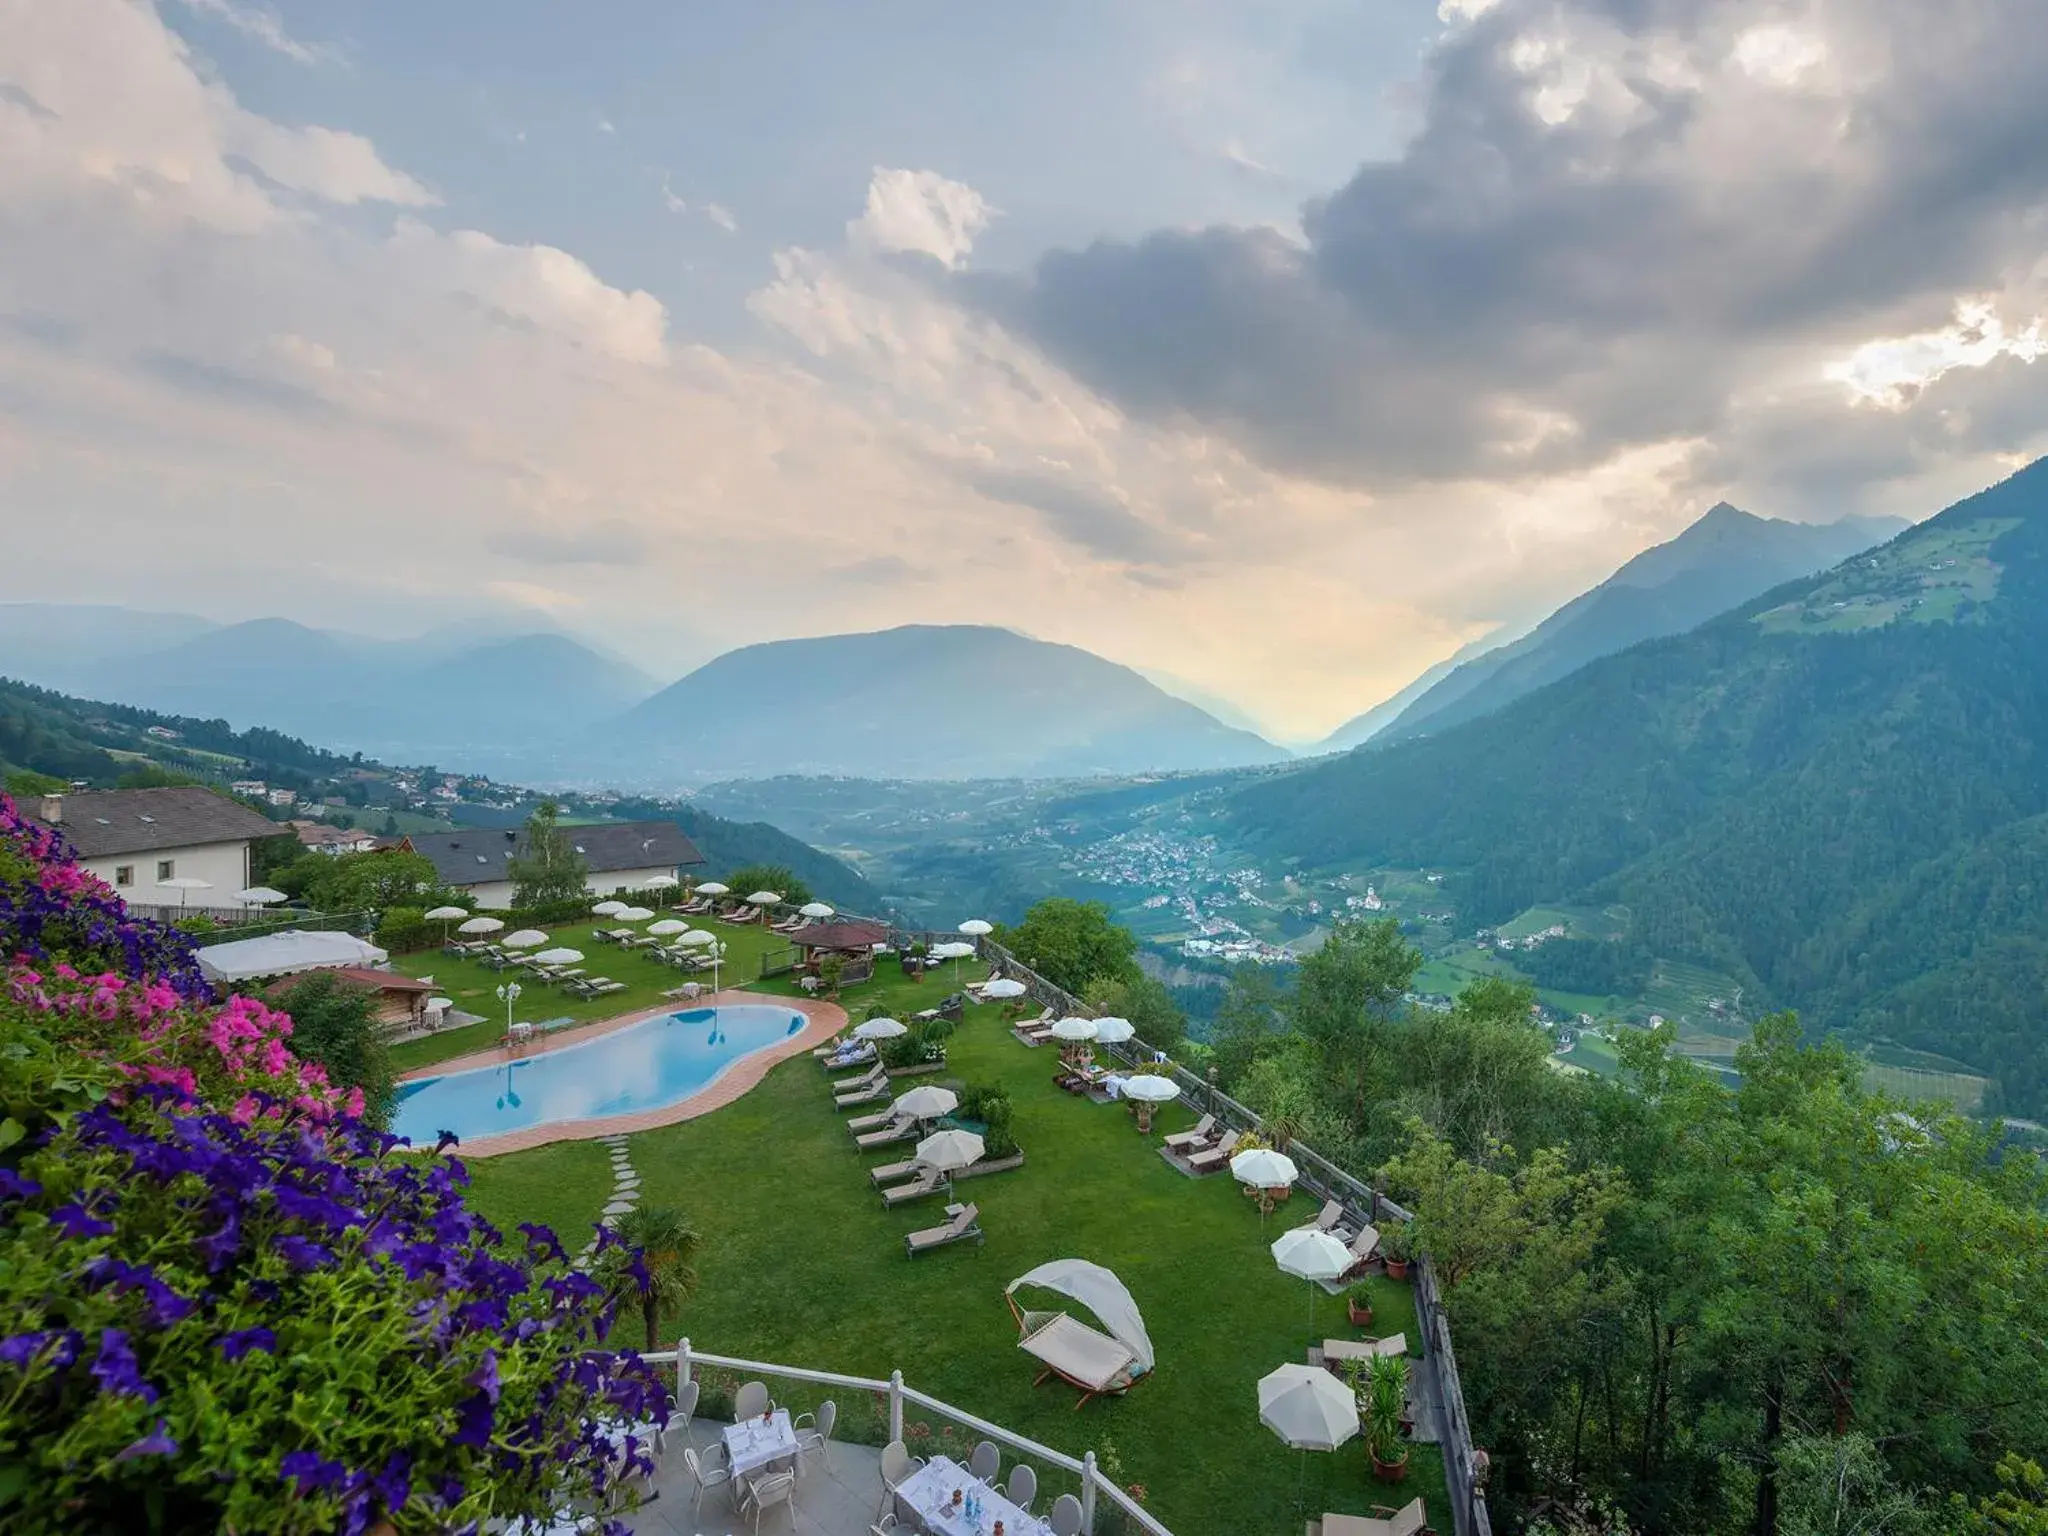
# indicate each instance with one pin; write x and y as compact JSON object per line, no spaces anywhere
{"x":853,"y":939}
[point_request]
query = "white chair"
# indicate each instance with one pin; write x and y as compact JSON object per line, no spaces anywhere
{"x":685,"y":1410}
{"x":986,"y":1463}
{"x":898,"y":1467}
{"x":774,"y":1488}
{"x":816,"y":1437}
{"x":751,"y":1401}
{"x":1066,"y":1516}
{"x":707,"y":1476}
{"x":1023,"y":1486}
{"x":886,"y":1526}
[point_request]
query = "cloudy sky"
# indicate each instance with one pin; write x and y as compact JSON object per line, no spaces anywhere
{"x":1280,"y":346}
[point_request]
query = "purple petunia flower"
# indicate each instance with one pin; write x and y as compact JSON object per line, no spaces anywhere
{"x":477,"y":1418}
{"x":24,"y":1349}
{"x":485,"y":1377}
{"x":393,"y":1486}
{"x":157,"y":1442}
{"x":541,"y":1241}
{"x":15,"y":1186}
{"x":237,"y":1344}
{"x":116,"y":1370}
{"x":76,"y":1222}
{"x":312,"y":1471}
{"x":303,"y":1253}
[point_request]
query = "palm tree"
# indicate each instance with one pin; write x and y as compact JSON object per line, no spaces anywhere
{"x":667,"y":1244}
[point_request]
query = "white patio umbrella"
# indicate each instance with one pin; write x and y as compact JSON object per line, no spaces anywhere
{"x":765,"y":899}
{"x":482,"y":925}
{"x":954,"y":951}
{"x":928,"y":1103}
{"x":607,"y":908}
{"x":696,"y":938}
{"x":1073,"y":1027}
{"x":634,"y":914}
{"x":880,"y":1029}
{"x":560,"y":957}
{"x":975,"y":927}
{"x":1113,"y":1030}
{"x":1309,"y":1409}
{"x":668,"y":926}
{"x":525,"y":938}
{"x":1149,"y":1090}
{"x":947,"y":1150}
{"x":260,"y":896}
{"x":446,"y":914}
{"x":1313,"y":1256}
{"x":1264,"y":1169}
{"x":184,"y":885}
{"x":660,"y":883}
{"x":713,"y":888}
{"x":816,"y":909}
{"x":1004,"y":987}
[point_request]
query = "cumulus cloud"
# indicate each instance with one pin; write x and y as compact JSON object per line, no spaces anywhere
{"x":920,"y":211}
{"x":262,"y":26}
{"x":1614,"y":221}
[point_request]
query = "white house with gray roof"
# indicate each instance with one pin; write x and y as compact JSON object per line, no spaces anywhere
{"x":620,"y":855}
{"x":136,"y":839}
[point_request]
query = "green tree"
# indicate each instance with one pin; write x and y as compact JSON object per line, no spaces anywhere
{"x":667,"y":1246}
{"x":1347,"y":1000}
{"x":1480,"y":1074}
{"x":779,"y":878}
{"x":26,"y":782}
{"x":361,"y":882}
{"x":1072,"y":943}
{"x":2018,"y":1508}
{"x":1146,"y":1003}
{"x":334,"y":1022}
{"x":269,"y":855}
{"x":547,"y":868}
{"x":1248,"y":1023}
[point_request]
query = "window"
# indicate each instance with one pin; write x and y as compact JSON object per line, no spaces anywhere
{"x":165,"y":868}
{"x":124,"y":874}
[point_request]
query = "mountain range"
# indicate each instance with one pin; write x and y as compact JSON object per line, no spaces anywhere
{"x":1719,"y":562}
{"x":924,"y":701}
{"x":1837,"y":793}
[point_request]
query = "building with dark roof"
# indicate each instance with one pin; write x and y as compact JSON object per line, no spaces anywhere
{"x":621,"y":856}
{"x":138,"y":839}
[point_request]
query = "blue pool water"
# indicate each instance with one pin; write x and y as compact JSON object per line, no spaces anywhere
{"x":655,"y":1062}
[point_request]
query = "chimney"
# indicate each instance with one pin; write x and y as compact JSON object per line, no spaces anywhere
{"x":53,"y":809}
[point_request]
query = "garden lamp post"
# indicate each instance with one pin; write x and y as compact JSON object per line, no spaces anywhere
{"x":508,"y":994}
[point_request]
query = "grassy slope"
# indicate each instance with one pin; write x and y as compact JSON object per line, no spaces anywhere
{"x":802,"y":1264}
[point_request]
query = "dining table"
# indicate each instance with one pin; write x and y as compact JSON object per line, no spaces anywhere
{"x":755,"y":1443}
{"x":926,"y":1499}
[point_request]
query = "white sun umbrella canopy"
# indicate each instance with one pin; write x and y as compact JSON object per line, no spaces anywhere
{"x":817,"y":909}
{"x":974,"y":927}
{"x":260,"y":896}
{"x":482,"y":925}
{"x":607,"y":908}
{"x":525,"y":938}
{"x":928,"y":1103}
{"x":1308,"y":1408}
{"x":1113,"y":1030}
{"x":713,"y":888}
{"x":559,"y":956}
{"x":446,"y":914}
{"x":881,"y":1029}
{"x":659,"y":883}
{"x":634,"y":914}
{"x":948,"y":1150}
{"x":952,"y":950}
{"x":668,"y":926}
{"x":1264,"y":1168}
{"x":1005,"y":986}
{"x":1074,"y":1028}
{"x":696,"y":938}
{"x":1148,"y":1089}
{"x":765,"y":899}
{"x":1312,"y":1256}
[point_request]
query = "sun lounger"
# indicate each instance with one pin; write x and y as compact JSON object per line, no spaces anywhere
{"x":1213,"y":1158}
{"x":788,"y":925}
{"x":1196,"y":1139}
{"x":1409,"y":1520}
{"x":701,"y":904}
{"x":867,"y":1094}
{"x":1329,"y":1219}
{"x":965,"y":1225}
{"x":1091,"y":1361}
{"x":1363,"y":1248}
{"x":904,"y":1129}
{"x":861,"y":1053}
{"x":929,"y":1182}
{"x":1337,"y":1351}
{"x":873,"y":1122}
{"x":869,"y":1073}
{"x":894,"y":1173}
{"x":744,"y":915}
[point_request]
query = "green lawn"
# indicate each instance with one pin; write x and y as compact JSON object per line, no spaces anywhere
{"x":474,"y":987}
{"x":802,"y":1264}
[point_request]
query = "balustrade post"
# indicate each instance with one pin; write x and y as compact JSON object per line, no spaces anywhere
{"x":1088,"y":1476}
{"x":682,"y":1363}
{"x":895,"y":1405}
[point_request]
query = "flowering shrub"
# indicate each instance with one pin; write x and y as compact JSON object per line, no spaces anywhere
{"x":226,"y":1303}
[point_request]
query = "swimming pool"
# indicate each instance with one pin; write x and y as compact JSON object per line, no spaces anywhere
{"x":656,"y":1062}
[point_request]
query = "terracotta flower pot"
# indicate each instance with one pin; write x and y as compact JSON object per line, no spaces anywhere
{"x":1397,"y":1269}
{"x":1361,"y":1313}
{"x":1390,"y":1471}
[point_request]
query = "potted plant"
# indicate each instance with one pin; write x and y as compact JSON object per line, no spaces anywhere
{"x":913,"y":961}
{"x":830,"y":969}
{"x":1386,"y":1408}
{"x":1397,"y":1247}
{"x":1359,"y":1303}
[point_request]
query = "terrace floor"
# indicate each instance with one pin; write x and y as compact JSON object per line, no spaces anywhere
{"x":839,"y":1501}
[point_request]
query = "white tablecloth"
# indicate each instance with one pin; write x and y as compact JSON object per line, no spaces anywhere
{"x":752,"y":1445}
{"x":926,"y":1496}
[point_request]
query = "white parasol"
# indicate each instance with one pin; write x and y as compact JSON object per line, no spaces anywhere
{"x":668,"y":926}
{"x":608,"y":908}
{"x":1074,"y":1028}
{"x":559,"y":957}
{"x":816,"y":909}
{"x":260,"y":896}
{"x":947,"y":1150}
{"x":1313,"y":1256}
{"x":880,"y":1029}
{"x":1264,"y":1168}
{"x":525,"y":938}
{"x":765,"y":899}
{"x":1113,"y":1030}
{"x":482,"y":925}
{"x":1005,"y":986}
{"x":634,"y":914}
{"x":928,"y":1103}
{"x":1309,"y":1409}
{"x":446,"y":914}
{"x":975,"y":927}
{"x":713,"y":888}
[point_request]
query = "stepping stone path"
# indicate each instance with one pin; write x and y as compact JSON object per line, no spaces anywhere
{"x":625,"y":1191}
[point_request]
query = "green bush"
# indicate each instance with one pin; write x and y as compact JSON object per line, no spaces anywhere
{"x":335,"y":1023}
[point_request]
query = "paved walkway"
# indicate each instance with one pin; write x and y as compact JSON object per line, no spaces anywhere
{"x":838,"y":1502}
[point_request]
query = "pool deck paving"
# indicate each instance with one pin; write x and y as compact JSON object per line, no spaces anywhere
{"x":826,"y":1020}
